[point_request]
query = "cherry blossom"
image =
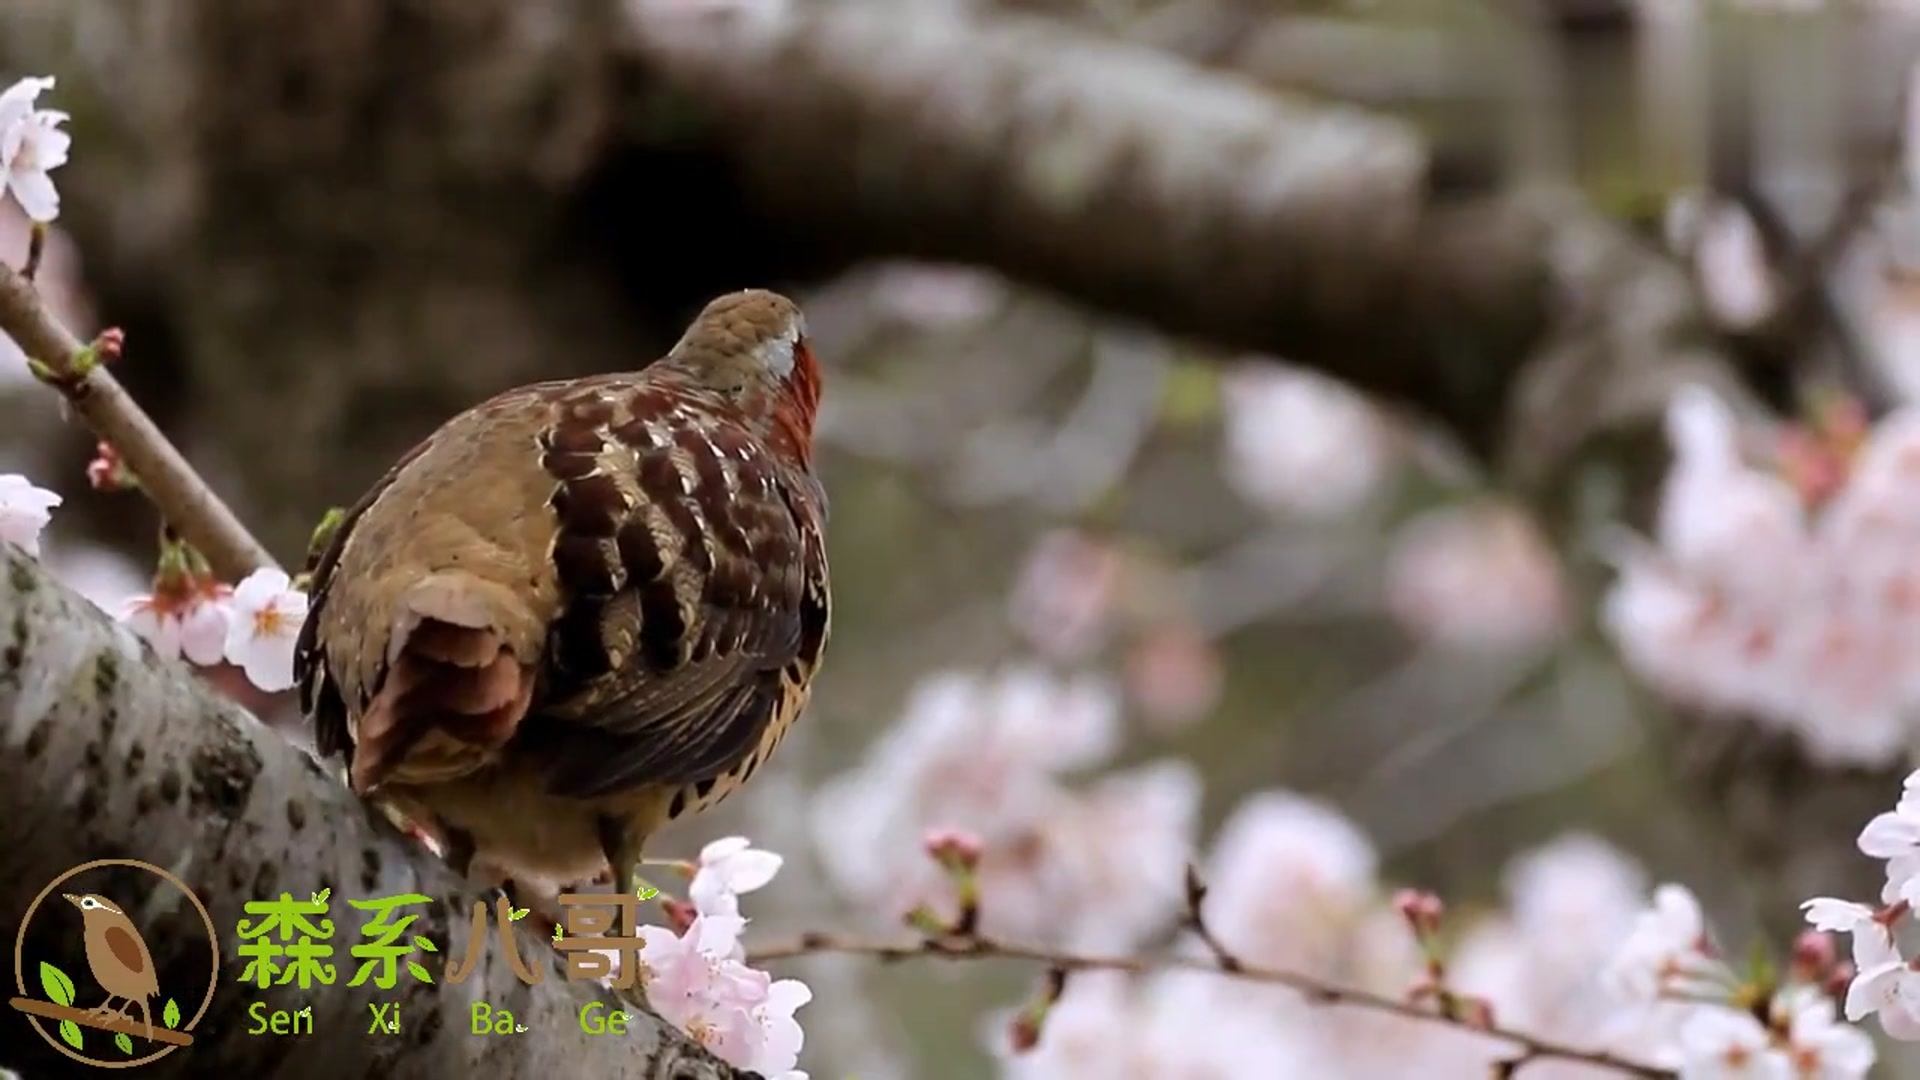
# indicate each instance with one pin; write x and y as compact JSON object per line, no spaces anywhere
{"x":263,"y":627}
{"x":25,"y":511}
{"x":1837,"y":916}
{"x":1731,"y":263}
{"x":1288,"y":876}
{"x":1085,"y":862}
{"x":1726,"y":1044}
{"x":31,"y":146}
{"x":727,"y":868}
{"x":1064,"y":597}
{"x":1301,"y":442}
{"x":1667,"y":952}
{"x":188,"y":618}
{"x":1175,"y":675}
{"x":697,"y":981}
{"x":1779,"y":586}
{"x":1820,"y":1047}
{"x":1885,"y":985}
{"x":1477,"y":577}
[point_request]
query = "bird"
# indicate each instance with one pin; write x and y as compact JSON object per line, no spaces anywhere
{"x":583,"y":607}
{"x":117,"y":955}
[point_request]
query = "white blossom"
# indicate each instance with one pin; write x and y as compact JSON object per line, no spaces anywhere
{"x":25,"y":511}
{"x":1837,"y":916}
{"x":189,"y":621}
{"x":1823,"y":1048}
{"x":1666,"y":953}
{"x":31,"y":146}
{"x":1301,"y":442}
{"x":1886,"y":985}
{"x":729,"y":867}
{"x":267,"y":613}
{"x":1732,"y":266}
{"x":1728,"y":1044}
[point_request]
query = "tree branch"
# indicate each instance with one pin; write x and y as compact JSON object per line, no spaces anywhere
{"x":76,"y":370}
{"x":975,"y":947}
{"x":106,"y":752}
{"x":1185,"y":197}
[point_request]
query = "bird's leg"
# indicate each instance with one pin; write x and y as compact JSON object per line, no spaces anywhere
{"x":102,"y":1008}
{"x":622,"y":847}
{"x":460,"y":849}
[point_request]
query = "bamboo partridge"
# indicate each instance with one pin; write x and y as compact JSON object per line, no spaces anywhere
{"x":584,"y":607}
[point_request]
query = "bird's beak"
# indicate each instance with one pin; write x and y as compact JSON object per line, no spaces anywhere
{"x":70,"y":898}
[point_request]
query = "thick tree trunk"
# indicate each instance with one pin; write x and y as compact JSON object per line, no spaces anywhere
{"x":106,"y":753}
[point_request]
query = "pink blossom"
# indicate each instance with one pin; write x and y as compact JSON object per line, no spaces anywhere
{"x":1065,"y":861}
{"x":1477,"y":577}
{"x":1175,"y":675}
{"x":1064,"y":597}
{"x":698,"y":981}
{"x":1287,"y":875}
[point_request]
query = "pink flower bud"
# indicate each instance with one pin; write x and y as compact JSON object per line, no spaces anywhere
{"x":1838,"y":978}
{"x":1024,"y":1032}
{"x":108,"y":471}
{"x":1813,"y":954}
{"x":953,"y":848}
{"x":1421,"y":909}
{"x":110,"y":342}
{"x":680,"y":914}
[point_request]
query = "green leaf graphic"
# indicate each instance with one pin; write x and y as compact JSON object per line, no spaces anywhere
{"x":419,"y":972}
{"x":424,"y":945}
{"x":125,"y":1044}
{"x":321,"y":896}
{"x":646,"y":892}
{"x":517,"y":914}
{"x":559,"y":931}
{"x":59,"y":988}
{"x":70,"y":1033}
{"x":171,"y":1015}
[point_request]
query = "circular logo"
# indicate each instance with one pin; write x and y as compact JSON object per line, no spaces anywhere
{"x":89,"y":984}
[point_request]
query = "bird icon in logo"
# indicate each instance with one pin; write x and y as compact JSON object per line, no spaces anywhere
{"x":117,"y":956}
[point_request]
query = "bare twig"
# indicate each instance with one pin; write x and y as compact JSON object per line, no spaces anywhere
{"x":1325,"y":993}
{"x":74,"y":369}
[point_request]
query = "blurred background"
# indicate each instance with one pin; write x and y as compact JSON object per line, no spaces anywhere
{"x":1341,"y":445}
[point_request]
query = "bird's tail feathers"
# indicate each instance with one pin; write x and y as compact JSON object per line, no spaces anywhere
{"x":450,"y":671}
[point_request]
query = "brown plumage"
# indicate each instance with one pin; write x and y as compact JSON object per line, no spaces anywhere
{"x":583,"y":607}
{"x":117,"y":956}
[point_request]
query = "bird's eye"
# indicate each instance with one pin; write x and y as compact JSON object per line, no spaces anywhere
{"x":89,"y":903}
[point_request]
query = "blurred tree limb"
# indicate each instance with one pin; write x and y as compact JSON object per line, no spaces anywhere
{"x":107,"y":753}
{"x":1210,"y":206}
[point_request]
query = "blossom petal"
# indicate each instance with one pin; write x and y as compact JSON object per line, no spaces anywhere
{"x":1889,"y":835}
{"x":1839,"y":916}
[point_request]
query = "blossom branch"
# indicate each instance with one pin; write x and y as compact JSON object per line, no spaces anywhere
{"x":962,"y":947}
{"x":75,"y":369}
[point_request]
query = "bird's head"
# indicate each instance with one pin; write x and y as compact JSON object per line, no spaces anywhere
{"x":90,"y":903}
{"x":752,"y":346}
